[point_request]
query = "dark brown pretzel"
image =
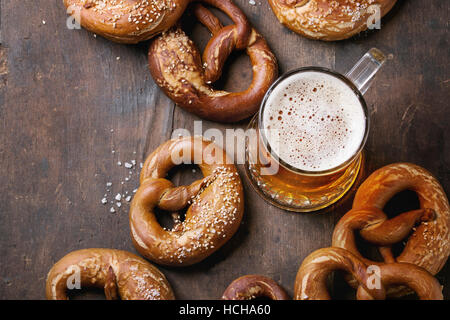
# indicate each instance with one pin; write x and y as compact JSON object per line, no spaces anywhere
{"x":121,"y":274}
{"x":328,"y":20}
{"x":177,"y":67}
{"x":429,"y":244}
{"x":215,"y":203}
{"x":310,"y":283}
{"x":254,"y":286}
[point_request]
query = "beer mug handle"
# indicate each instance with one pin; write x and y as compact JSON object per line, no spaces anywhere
{"x":363,"y":72}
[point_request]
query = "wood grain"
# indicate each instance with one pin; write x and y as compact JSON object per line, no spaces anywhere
{"x":67,"y":102}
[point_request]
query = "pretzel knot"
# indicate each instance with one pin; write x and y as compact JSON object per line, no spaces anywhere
{"x":121,"y":274}
{"x":428,"y":244}
{"x":254,"y":286}
{"x":215,"y":203}
{"x":177,"y":67}
{"x":372,"y":282}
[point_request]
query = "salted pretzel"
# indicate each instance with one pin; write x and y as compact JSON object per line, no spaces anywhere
{"x":254,"y":286}
{"x":429,"y":244}
{"x":215,"y":204}
{"x":176,"y":66}
{"x":126,"y":21}
{"x":121,"y":274}
{"x":311,"y":280}
{"x":329,"y":20}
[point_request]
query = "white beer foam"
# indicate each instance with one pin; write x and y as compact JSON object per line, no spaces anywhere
{"x":318,"y":120}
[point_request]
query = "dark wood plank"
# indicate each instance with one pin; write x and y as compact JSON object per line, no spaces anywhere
{"x":67,"y":102}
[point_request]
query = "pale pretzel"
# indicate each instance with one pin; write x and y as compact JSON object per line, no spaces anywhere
{"x":254,"y":286}
{"x":127,"y":21}
{"x":329,"y":20}
{"x":310,"y":283}
{"x":429,"y":244}
{"x":215,"y":204}
{"x":121,"y":274}
{"x":177,"y":67}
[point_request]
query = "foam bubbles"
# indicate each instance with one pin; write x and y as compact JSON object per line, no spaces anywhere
{"x":314,"y":121}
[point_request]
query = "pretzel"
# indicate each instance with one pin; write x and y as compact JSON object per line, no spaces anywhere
{"x":176,"y":66}
{"x":215,"y":203}
{"x":121,"y":274}
{"x":310,"y":283}
{"x":329,"y":20}
{"x":127,"y":21}
{"x":254,"y":286}
{"x":429,"y":244}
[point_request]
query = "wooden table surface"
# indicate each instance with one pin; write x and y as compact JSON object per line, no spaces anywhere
{"x":72,"y":106}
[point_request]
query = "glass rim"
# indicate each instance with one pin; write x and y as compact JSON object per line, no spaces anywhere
{"x":338,"y":75}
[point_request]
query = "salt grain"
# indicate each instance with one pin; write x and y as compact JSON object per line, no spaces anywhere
{"x":128,"y":165}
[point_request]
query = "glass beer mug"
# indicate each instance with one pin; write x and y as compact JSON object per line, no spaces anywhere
{"x":309,"y":135}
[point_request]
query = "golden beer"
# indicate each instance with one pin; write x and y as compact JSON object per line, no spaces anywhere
{"x":310,"y":132}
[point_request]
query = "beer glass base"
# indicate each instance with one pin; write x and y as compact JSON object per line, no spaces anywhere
{"x":306,"y":202}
